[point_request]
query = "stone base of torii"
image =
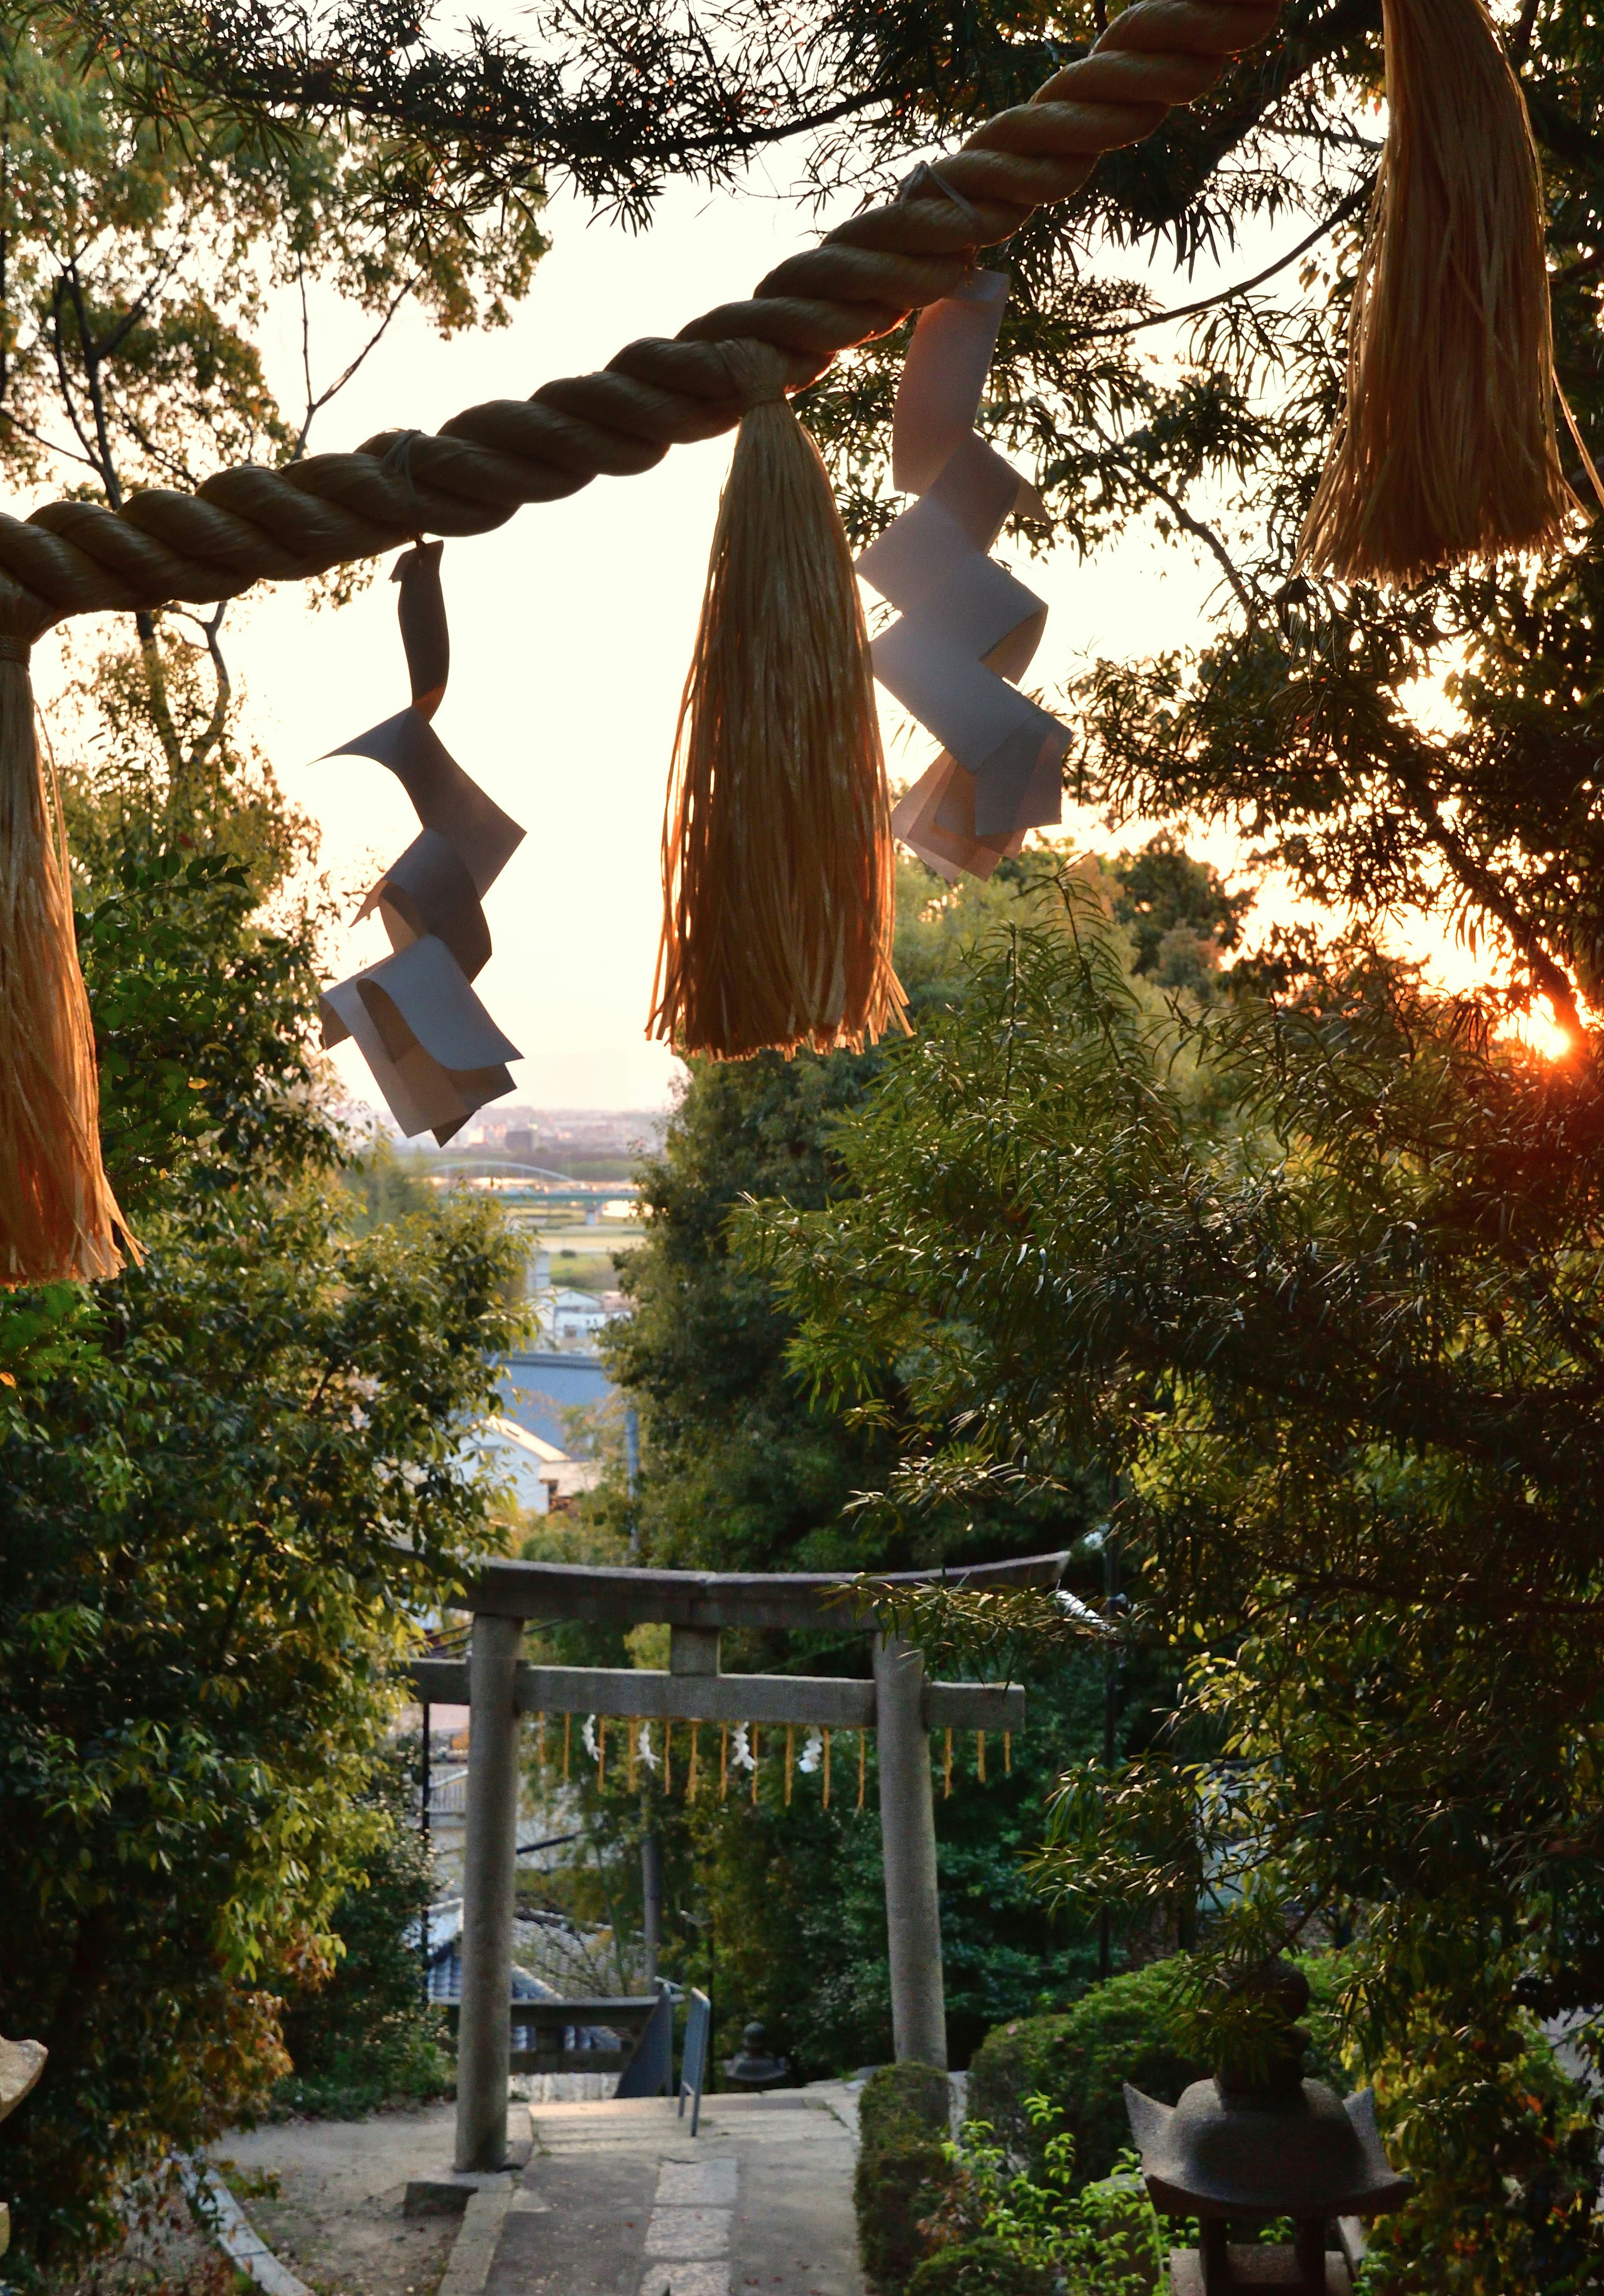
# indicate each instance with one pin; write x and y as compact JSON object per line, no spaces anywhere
{"x":497,"y":1688}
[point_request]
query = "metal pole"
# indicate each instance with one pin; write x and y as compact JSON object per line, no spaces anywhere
{"x":489,"y":1885}
{"x":631,"y":1473}
{"x":423,"y":1790}
{"x":652,"y":1902}
{"x":1113,"y":1666}
{"x":908,"y":1843}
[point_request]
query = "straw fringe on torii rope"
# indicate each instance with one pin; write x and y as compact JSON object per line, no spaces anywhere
{"x":256,"y":524}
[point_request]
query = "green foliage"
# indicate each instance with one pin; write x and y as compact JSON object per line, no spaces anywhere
{"x":1001,"y":2231}
{"x":903,"y":2167}
{"x":901,"y":2102}
{"x":743,"y":1466}
{"x":228,"y":1480}
{"x":1317,"y":1281}
{"x":202,"y":1025}
{"x":138,"y":258}
{"x":385,"y":1188}
{"x":1178,"y":913}
{"x":358,"y":2032}
{"x":1080,"y":2061}
{"x":1504,"y":2150}
{"x":983,"y":2267}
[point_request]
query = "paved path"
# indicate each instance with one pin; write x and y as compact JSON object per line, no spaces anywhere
{"x":620,"y":2199}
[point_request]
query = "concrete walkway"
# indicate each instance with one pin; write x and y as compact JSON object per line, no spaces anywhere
{"x":620,"y":2199}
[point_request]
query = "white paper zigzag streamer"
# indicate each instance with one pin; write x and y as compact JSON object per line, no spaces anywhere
{"x":435,"y":1052}
{"x":968,"y":629}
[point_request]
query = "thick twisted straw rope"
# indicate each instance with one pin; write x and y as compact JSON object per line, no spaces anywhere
{"x":254,"y":524}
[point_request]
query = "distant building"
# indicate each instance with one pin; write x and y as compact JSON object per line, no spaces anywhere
{"x":568,"y":1316}
{"x":539,"y":1389}
{"x":540,"y":1478}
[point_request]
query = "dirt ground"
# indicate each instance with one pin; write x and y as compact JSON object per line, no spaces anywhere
{"x":336,"y":2220}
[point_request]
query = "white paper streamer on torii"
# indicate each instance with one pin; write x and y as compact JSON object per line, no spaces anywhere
{"x":968,"y":629}
{"x":435,"y":1052}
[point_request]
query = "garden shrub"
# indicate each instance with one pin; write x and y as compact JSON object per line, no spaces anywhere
{"x":1080,"y":2061}
{"x":902,"y":2168}
{"x":985,"y":2266}
{"x":997,"y":2231}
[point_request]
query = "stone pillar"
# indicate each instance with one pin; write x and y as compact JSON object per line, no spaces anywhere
{"x":908,"y":1843}
{"x":489,"y":1886}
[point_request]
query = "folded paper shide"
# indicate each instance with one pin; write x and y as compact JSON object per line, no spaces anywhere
{"x":435,"y":1052}
{"x":968,"y":630}
{"x":777,"y":844}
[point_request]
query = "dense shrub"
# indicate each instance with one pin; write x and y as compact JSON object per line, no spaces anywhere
{"x":901,"y":2167}
{"x":980,"y":2268}
{"x":1120,"y":2032}
{"x":995,"y":2231}
{"x":1080,"y":2061}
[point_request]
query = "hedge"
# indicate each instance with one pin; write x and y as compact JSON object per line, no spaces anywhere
{"x":902,"y":2168}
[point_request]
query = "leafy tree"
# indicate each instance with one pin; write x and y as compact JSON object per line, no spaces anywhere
{"x":743,"y":1465}
{"x":1319,"y":1280}
{"x":1178,"y":913}
{"x":226,"y":1480}
{"x":137,"y":256}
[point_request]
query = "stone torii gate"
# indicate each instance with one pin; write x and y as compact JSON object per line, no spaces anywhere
{"x":697,"y":1606}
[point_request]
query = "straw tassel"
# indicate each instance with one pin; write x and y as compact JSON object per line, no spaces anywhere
{"x":1448,"y":448}
{"x":59,"y":1220}
{"x":777,"y":852}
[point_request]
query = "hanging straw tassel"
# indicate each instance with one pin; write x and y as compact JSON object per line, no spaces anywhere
{"x":59,"y":1220}
{"x":1447,"y":449}
{"x":777,"y":851}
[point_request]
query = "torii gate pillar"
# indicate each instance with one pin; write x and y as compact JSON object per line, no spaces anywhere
{"x":907,"y":1814}
{"x":490,"y":1894}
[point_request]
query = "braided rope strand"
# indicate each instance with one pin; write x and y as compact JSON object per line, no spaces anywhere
{"x":255,"y":524}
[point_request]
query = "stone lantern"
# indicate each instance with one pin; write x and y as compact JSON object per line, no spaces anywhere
{"x":1234,"y":2152}
{"x":753,"y":2068}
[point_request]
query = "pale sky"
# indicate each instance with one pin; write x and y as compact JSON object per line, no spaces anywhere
{"x":571,"y":628}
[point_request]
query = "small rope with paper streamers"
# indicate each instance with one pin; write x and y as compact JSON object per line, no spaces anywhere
{"x":1449,"y":418}
{"x":743,"y":1750}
